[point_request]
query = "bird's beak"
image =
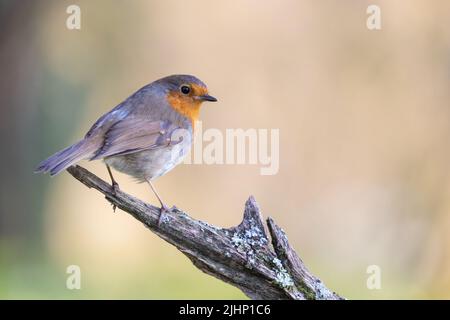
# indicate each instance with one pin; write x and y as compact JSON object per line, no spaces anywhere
{"x":207,"y":97}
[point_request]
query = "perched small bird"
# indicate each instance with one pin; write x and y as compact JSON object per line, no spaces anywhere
{"x":145,"y":136}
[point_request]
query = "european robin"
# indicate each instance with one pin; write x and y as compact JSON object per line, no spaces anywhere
{"x":145,"y":136}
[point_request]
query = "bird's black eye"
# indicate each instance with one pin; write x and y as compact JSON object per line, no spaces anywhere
{"x":185,"y":89}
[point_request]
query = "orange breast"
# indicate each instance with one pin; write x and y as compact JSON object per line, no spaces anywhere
{"x":185,"y":105}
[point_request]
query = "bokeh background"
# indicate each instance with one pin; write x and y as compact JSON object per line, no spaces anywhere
{"x":364,"y":123}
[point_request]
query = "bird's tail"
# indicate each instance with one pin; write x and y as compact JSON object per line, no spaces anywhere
{"x":65,"y":158}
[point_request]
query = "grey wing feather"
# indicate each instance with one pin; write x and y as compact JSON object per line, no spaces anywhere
{"x":105,"y":122}
{"x":133,"y":135}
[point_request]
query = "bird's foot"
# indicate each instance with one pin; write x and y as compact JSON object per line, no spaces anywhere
{"x":115,"y":189}
{"x":162,"y":214}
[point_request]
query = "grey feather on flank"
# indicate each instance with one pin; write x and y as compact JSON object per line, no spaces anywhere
{"x":120,"y":140}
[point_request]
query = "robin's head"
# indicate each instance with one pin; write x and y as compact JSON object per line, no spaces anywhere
{"x":185,"y":94}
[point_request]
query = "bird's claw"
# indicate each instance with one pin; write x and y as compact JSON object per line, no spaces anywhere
{"x":162,"y":213}
{"x":115,"y":189}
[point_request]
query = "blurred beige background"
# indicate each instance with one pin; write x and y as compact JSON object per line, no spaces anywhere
{"x":364,"y":125}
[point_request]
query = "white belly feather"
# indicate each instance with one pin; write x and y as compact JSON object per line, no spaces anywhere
{"x":151,"y":164}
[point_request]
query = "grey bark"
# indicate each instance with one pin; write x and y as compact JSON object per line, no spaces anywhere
{"x":241,"y":256}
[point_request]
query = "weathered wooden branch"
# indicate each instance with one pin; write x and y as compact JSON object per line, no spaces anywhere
{"x":241,"y":256}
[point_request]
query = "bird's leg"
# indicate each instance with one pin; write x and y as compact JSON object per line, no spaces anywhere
{"x":164,"y":208}
{"x":114,"y":184}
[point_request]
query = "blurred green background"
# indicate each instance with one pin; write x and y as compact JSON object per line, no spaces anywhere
{"x":364,"y":121}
